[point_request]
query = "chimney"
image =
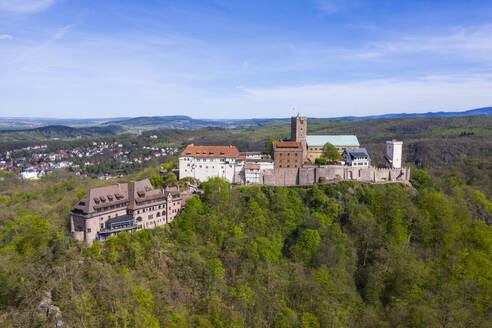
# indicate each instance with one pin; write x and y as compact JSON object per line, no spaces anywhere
{"x":131,"y":193}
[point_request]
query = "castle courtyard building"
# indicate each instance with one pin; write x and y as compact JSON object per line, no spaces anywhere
{"x":315,"y":144}
{"x":356,"y":157}
{"x":205,"y":162}
{"x":287,"y":154}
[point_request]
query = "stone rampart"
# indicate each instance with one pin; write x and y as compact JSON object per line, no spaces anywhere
{"x":309,"y":175}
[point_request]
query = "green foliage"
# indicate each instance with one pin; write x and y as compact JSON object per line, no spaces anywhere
{"x":320,"y":161}
{"x":331,"y":153}
{"x":419,"y":178}
{"x":337,"y":255}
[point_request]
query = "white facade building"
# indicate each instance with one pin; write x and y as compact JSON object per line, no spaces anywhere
{"x":205,"y":162}
{"x":356,"y":157}
{"x":394,"y":153}
{"x":252,"y":173}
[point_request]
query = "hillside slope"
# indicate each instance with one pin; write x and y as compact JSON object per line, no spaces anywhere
{"x":340,"y":255}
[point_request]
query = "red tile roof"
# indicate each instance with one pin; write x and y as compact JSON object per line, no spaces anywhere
{"x":210,"y":151}
{"x":287,"y":144}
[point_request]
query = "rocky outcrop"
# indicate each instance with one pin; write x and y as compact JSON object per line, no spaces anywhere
{"x":50,"y":313}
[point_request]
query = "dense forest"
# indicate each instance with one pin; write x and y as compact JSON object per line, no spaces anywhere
{"x":337,"y":255}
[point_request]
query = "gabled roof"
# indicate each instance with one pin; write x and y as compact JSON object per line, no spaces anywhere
{"x":211,"y":151}
{"x":356,"y":153}
{"x":335,"y":140}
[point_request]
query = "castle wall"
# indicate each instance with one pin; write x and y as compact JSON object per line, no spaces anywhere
{"x":333,"y":173}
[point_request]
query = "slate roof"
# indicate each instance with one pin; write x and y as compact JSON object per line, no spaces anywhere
{"x":335,"y":140}
{"x":128,"y":192}
{"x":357,"y":153}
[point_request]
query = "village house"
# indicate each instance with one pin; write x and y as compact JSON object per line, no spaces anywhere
{"x":129,"y":206}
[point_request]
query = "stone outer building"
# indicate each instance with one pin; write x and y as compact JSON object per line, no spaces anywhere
{"x":205,"y":162}
{"x":130,"y":206}
{"x":288,"y":154}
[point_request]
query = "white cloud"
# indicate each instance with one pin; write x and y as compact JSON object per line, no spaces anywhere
{"x":6,"y":37}
{"x":25,"y":6}
{"x":424,"y":94}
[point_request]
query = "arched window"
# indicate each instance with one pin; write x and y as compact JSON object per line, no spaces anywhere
{"x":158,"y":214}
{"x":139,"y":219}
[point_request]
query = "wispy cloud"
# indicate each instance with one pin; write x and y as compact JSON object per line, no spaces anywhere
{"x":428,"y":93}
{"x":6,"y":37}
{"x":462,"y":40}
{"x":25,"y":6}
{"x":332,"y":6}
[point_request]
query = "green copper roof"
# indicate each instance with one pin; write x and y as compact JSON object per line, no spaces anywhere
{"x":335,"y":140}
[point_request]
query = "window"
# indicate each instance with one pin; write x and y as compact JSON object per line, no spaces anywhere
{"x":88,"y":229}
{"x":102,"y":225}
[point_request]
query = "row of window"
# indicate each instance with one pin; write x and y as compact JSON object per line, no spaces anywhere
{"x":287,"y":166}
{"x":288,"y":154}
{"x":111,"y":207}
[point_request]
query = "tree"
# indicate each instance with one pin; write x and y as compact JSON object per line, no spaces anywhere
{"x":331,"y":153}
{"x":320,"y":161}
{"x":269,"y":146}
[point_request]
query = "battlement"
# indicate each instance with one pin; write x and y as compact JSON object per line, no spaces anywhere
{"x":310,"y":175}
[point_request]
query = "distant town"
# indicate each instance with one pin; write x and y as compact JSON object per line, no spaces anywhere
{"x":35,"y":161}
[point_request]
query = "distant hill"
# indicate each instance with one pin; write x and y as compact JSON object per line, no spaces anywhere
{"x":478,"y":111}
{"x":39,"y":128}
{"x":164,"y":122}
{"x":58,"y":131}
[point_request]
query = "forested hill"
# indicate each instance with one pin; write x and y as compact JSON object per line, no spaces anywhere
{"x":338,"y":255}
{"x":58,"y":132}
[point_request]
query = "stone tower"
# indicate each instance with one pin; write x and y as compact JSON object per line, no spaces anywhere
{"x":298,"y":130}
{"x":393,"y":153}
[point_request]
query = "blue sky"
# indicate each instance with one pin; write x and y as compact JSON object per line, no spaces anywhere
{"x":243,"y":59}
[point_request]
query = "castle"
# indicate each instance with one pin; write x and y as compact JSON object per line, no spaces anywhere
{"x":293,"y":161}
{"x":129,"y":206}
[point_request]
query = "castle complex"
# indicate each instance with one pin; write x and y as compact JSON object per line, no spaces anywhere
{"x":129,"y":206}
{"x":293,"y":161}
{"x":135,"y":205}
